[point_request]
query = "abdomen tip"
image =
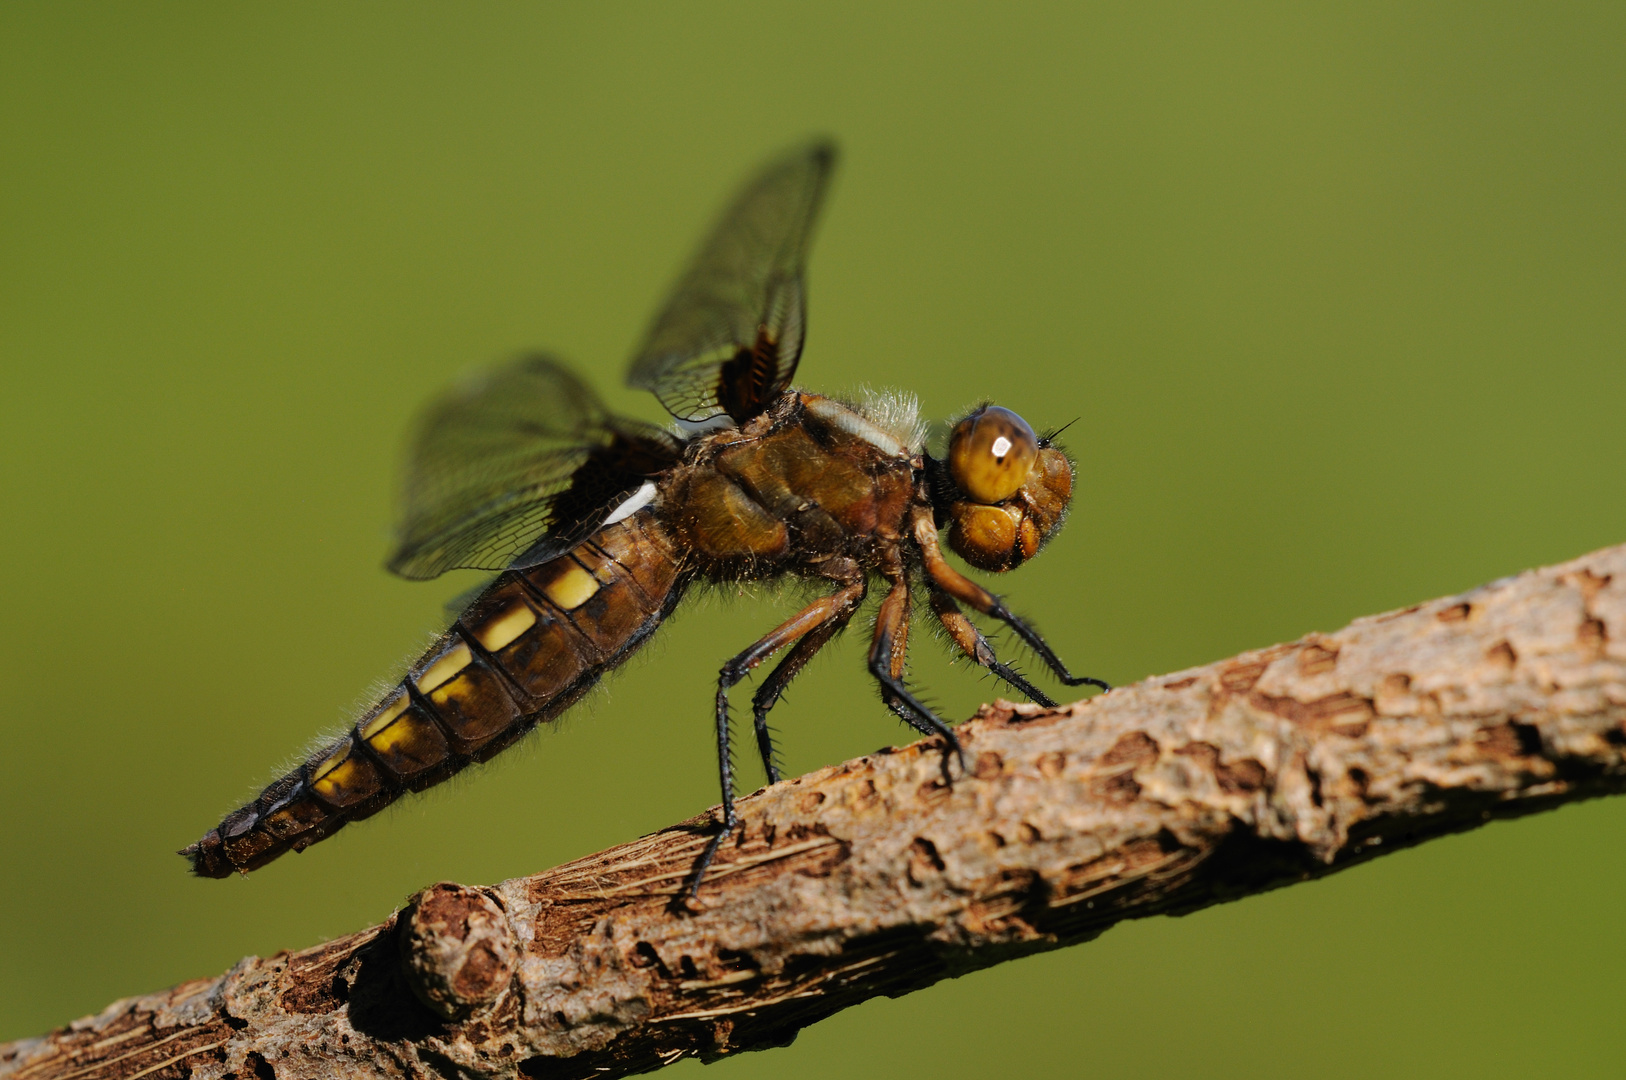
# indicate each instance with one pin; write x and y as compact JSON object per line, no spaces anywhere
{"x":208,"y":857}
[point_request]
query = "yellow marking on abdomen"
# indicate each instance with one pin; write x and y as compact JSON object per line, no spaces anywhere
{"x":343,"y":778}
{"x":385,"y":716}
{"x":514,"y":620}
{"x":572,"y":587}
{"x":446,"y":665}
{"x":404,"y":740}
{"x":390,"y":739}
{"x":321,"y":769}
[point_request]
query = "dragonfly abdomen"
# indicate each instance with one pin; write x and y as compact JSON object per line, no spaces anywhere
{"x":532,"y":644}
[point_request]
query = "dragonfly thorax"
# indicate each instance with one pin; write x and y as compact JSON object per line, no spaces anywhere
{"x":810,"y":479}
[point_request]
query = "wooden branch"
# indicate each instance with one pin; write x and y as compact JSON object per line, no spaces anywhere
{"x":876,"y":877}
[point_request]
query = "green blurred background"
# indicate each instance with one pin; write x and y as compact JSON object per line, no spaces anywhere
{"x":1336,"y":291}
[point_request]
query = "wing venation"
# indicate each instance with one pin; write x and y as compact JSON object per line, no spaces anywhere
{"x":510,"y":457}
{"x":738,"y":309}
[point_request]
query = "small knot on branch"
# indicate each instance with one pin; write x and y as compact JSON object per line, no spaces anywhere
{"x":458,"y":949}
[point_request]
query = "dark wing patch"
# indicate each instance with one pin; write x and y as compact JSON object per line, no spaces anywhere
{"x":509,"y":458}
{"x":730,"y":335}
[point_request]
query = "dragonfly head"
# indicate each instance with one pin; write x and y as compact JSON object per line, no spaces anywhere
{"x":1010,"y":489}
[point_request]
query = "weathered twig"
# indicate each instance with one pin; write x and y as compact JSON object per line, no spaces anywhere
{"x":874,"y":877}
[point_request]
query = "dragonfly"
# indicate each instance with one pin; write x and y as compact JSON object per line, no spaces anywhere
{"x":597,"y":525}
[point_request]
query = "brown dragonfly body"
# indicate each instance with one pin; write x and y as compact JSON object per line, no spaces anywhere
{"x":531,"y":645}
{"x":598,"y":524}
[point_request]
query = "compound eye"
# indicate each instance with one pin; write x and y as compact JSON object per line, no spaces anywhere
{"x":991,"y":453}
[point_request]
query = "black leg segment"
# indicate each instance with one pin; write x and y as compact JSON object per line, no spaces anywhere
{"x":808,"y":623}
{"x":971,"y":642}
{"x":886,"y":663}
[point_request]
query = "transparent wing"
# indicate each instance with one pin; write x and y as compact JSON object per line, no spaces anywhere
{"x":729,"y":338}
{"x":506,"y":459}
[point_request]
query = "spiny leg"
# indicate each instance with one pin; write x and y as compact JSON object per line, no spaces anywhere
{"x":962,"y":588}
{"x":838,"y":605}
{"x":886,"y":662}
{"x":767,"y":695}
{"x":971,"y":642}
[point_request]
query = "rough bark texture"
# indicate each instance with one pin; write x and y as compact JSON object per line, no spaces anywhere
{"x":876,"y":877}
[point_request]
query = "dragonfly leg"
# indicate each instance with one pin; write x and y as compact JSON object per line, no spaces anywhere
{"x":957,"y":585}
{"x":887,"y":653}
{"x":811,"y":620}
{"x":970,"y":641}
{"x":767,"y":695}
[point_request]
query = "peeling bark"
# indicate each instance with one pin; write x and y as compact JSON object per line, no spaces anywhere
{"x":876,"y":877}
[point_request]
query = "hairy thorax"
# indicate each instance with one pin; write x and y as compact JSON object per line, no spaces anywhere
{"x":810,"y":480}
